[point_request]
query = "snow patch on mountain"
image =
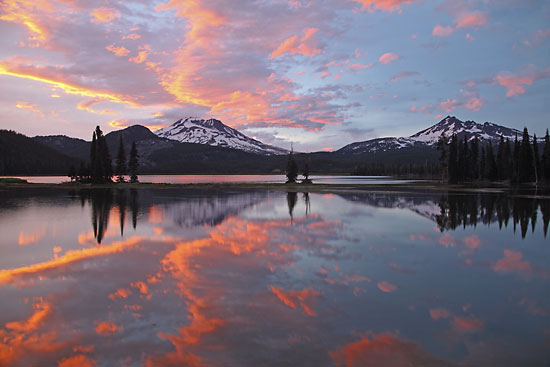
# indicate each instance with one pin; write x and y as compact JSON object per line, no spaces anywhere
{"x":429,"y":137}
{"x":214,"y":132}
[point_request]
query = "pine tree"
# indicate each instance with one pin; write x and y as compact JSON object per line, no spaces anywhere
{"x":500,"y":159}
{"x":507,"y":160}
{"x":120,"y":162}
{"x":490,"y":163}
{"x":482,"y":163}
{"x":133,"y":163}
{"x":93,"y":158}
{"x":516,"y":160}
{"x":291,"y":169}
{"x":536,"y":157}
{"x":474,"y":159}
{"x":545,"y":161}
{"x":443,"y":159}
{"x":526,"y":171}
{"x":100,"y":159}
{"x":453,"y":160}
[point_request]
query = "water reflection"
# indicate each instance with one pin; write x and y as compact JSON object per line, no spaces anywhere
{"x":270,"y":278}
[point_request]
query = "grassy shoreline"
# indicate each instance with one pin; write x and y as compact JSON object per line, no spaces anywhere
{"x":393,"y":187}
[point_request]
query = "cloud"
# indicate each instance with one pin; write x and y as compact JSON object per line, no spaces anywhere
{"x":107,"y":328}
{"x":383,"y":5}
{"x":442,"y":31}
{"x":388,"y":58}
{"x":119,"y":51}
{"x":449,"y":105}
{"x":104,"y":15}
{"x":30,"y":107}
{"x":296,"y":298}
{"x":383,"y":350}
{"x":307,"y":45}
{"x":386,"y":286}
{"x":403,"y":74}
{"x":473,"y":19}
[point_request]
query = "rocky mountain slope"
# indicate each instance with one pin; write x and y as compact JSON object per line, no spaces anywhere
{"x":214,"y":132}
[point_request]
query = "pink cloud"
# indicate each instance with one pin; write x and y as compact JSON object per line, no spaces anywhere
{"x":514,"y":84}
{"x":511,"y":262}
{"x":449,"y":104}
{"x":306,"y":45}
{"x":467,"y":324}
{"x":447,"y":240}
{"x":442,"y":31}
{"x":537,"y":38}
{"x":471,"y":19}
{"x":384,"y":5}
{"x":388,"y":58}
{"x":386,"y":286}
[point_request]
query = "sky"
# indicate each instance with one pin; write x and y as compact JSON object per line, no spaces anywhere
{"x":316,"y":73}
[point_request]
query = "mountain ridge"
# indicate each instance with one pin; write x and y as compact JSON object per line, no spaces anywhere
{"x":215,"y":133}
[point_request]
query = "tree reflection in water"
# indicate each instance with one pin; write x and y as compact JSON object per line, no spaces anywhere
{"x":473,"y":208}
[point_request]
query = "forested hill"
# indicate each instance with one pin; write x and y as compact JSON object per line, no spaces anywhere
{"x":20,"y":155}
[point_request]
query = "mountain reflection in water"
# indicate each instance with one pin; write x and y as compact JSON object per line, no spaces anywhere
{"x":164,"y":277}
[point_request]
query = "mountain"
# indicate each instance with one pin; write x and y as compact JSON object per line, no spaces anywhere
{"x":214,"y":132}
{"x":21,"y":155}
{"x":428,"y":138}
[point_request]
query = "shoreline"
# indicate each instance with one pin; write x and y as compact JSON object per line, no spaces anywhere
{"x":418,"y":187}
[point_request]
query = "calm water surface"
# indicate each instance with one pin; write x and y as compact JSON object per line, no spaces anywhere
{"x":257,"y":278}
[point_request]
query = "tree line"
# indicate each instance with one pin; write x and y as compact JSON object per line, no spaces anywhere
{"x":464,"y":160}
{"x":100,"y":169}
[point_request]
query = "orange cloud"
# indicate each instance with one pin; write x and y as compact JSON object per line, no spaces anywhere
{"x":29,"y":106}
{"x":384,"y":5}
{"x":386,"y":286}
{"x":141,"y":286}
{"x":119,"y":51}
{"x":120,"y":293}
{"x":34,"y":73}
{"x":8,"y":276}
{"x":442,"y":31}
{"x":388,"y":58}
{"x":28,"y":13}
{"x":87,"y":105}
{"x":298,"y":46}
{"x":139,"y":58}
{"x":104,"y":15}
{"x":78,"y":360}
{"x":467,"y":324}
{"x":471,"y":20}
{"x":382,"y":350}
{"x":107,"y":328}
{"x":294,"y":298}
{"x":131,"y":36}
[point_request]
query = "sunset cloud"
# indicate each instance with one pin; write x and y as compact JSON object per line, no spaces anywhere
{"x":30,"y":107}
{"x":384,"y":5}
{"x":474,"y":19}
{"x":306,"y":45}
{"x":119,"y":51}
{"x":442,"y":31}
{"x":104,"y":15}
{"x":388,"y":58}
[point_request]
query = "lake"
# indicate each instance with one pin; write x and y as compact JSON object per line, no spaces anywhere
{"x":192,"y":277}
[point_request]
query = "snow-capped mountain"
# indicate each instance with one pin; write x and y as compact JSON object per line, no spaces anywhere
{"x":428,"y":138}
{"x":214,"y":132}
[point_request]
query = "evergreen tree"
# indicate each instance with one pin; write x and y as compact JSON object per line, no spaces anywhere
{"x":482,"y":163}
{"x":545,"y":161}
{"x":93,"y":158}
{"x":536,"y":157}
{"x":490,"y":163}
{"x":526,"y":162}
{"x":500,"y":159}
{"x":474,"y":159}
{"x":100,"y":159}
{"x":515,"y":160}
{"x":507,"y":160}
{"x":120,"y":162}
{"x":453,"y":160}
{"x":443,"y":159}
{"x":133,"y":163}
{"x":291,"y":168}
